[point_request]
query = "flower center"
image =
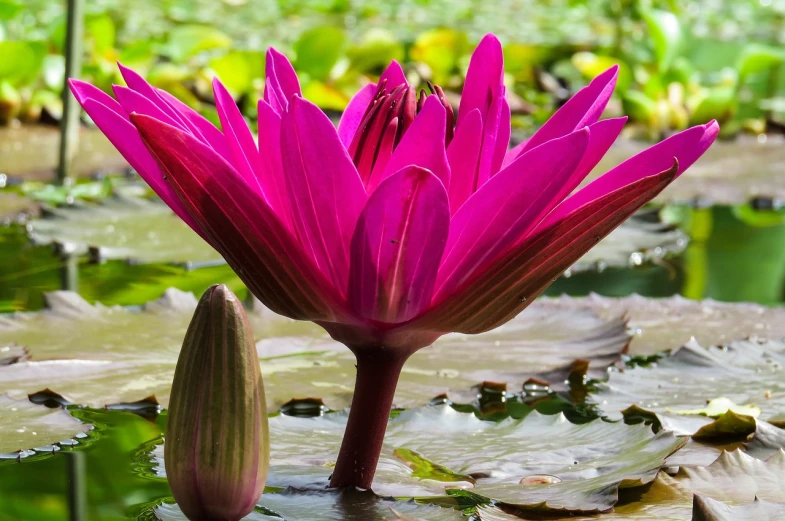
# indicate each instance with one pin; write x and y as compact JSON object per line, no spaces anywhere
{"x":385,"y":121}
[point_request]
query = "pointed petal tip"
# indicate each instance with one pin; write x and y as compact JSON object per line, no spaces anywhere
{"x":490,"y":39}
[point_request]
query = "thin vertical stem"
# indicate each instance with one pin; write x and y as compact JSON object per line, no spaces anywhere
{"x":69,"y":124}
{"x":378,"y":370}
{"x":77,"y":488}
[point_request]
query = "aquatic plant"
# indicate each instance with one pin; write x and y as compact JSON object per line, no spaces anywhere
{"x":398,"y":226}
{"x":217,"y":444}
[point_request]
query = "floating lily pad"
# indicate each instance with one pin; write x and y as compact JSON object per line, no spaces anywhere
{"x":729,"y":173}
{"x":735,"y":479}
{"x":747,"y":372}
{"x":26,"y":427}
{"x":541,"y":463}
{"x":96,"y":355}
{"x":123,"y":228}
{"x":294,"y":505}
{"x":707,"y":509}
{"x":638,"y":241}
{"x":659,"y":324}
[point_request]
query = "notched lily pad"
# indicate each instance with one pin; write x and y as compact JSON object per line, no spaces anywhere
{"x":123,"y":227}
{"x":540,"y":463}
{"x":746,"y":372}
{"x":26,"y":428}
{"x":707,"y":509}
{"x":349,"y":505}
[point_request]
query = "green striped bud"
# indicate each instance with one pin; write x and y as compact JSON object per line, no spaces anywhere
{"x":217,"y":449}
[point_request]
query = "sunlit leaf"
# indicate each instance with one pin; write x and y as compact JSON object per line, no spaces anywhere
{"x":376,"y":49}
{"x":757,"y":57}
{"x":440,"y":50}
{"x":238,"y":69}
{"x":101,"y":31}
{"x":592,"y":65}
{"x":318,"y":50}
{"x":665,"y":31}
{"x":186,"y":41}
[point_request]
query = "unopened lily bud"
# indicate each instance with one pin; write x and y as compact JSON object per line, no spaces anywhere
{"x":217,"y":448}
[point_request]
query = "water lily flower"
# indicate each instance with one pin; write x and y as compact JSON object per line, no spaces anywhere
{"x":217,"y":449}
{"x":406,"y":222}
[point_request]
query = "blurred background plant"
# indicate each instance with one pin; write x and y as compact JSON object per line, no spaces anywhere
{"x":682,"y":62}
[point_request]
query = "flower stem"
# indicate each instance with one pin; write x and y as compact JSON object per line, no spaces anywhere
{"x":378,"y":370}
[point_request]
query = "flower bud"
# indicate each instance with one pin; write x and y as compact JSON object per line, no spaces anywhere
{"x":217,"y":449}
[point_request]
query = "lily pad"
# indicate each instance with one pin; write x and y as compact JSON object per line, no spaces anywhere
{"x":707,"y":509}
{"x":735,"y":478}
{"x":26,"y":427}
{"x":544,"y":464}
{"x":747,"y":372}
{"x":96,"y":355}
{"x":296,"y":505}
{"x":724,"y":175}
{"x":659,"y":324}
{"x":638,"y":241}
{"x":123,"y":227}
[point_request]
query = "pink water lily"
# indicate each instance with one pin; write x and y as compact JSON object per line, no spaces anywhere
{"x":406,"y":222}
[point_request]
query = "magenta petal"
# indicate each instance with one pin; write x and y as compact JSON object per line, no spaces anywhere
{"x":397,"y":246}
{"x":124,"y":136}
{"x":138,"y":84}
{"x":496,"y":139}
{"x":265,"y":256}
{"x":84,"y":91}
{"x":686,"y":147}
{"x":198,"y":124}
{"x":239,"y":138}
{"x":422,"y":145}
{"x":325,"y":190}
{"x":281,"y":84}
{"x":132,"y":101}
{"x":392,"y":76}
{"x":509,"y":205}
{"x":583,"y":109}
{"x":353,"y":115}
{"x":484,"y":79}
{"x":269,"y":130}
{"x":463,"y":155}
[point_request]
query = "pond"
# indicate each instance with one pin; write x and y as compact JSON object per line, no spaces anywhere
{"x":658,"y":350}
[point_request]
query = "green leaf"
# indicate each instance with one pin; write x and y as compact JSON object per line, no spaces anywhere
{"x":376,"y":49}
{"x":756,"y":57}
{"x":720,"y":103}
{"x":186,"y":41}
{"x":9,"y":9}
{"x":27,"y":426}
{"x":591,"y":65}
{"x":665,"y":31}
{"x":22,"y":62}
{"x":324,"y":95}
{"x":440,"y":50}
{"x":101,"y":31}
{"x":237,"y":70}
{"x":707,"y":509}
{"x":719,"y":406}
{"x":639,"y":107}
{"x":54,"y":71}
{"x":318,"y":50}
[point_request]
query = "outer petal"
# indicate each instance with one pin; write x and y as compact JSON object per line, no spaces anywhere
{"x":325,"y":190}
{"x":463,"y":155}
{"x":269,"y":130}
{"x":508,"y":206}
{"x":353,"y":115}
{"x":686,"y":147}
{"x":242,"y":227}
{"x":392,"y":76}
{"x":583,"y":109}
{"x":484,"y":79}
{"x":138,"y":84}
{"x":198,"y":124}
{"x":397,"y":246}
{"x":422,"y":145}
{"x":132,"y":101}
{"x":496,"y":139}
{"x":239,"y":138}
{"x":281,"y":84}
{"x":516,"y":277}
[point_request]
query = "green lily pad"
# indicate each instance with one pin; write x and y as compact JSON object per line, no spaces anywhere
{"x":748,"y":372}
{"x":541,"y":463}
{"x":718,"y":407}
{"x":659,"y":324}
{"x":723,"y":175}
{"x":735,"y":478}
{"x":638,"y":241}
{"x":296,"y":505}
{"x":26,"y":428}
{"x":123,"y":228}
{"x":95,"y":355}
{"x":707,"y":509}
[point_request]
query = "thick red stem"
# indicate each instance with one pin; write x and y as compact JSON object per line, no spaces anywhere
{"x":378,"y":370}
